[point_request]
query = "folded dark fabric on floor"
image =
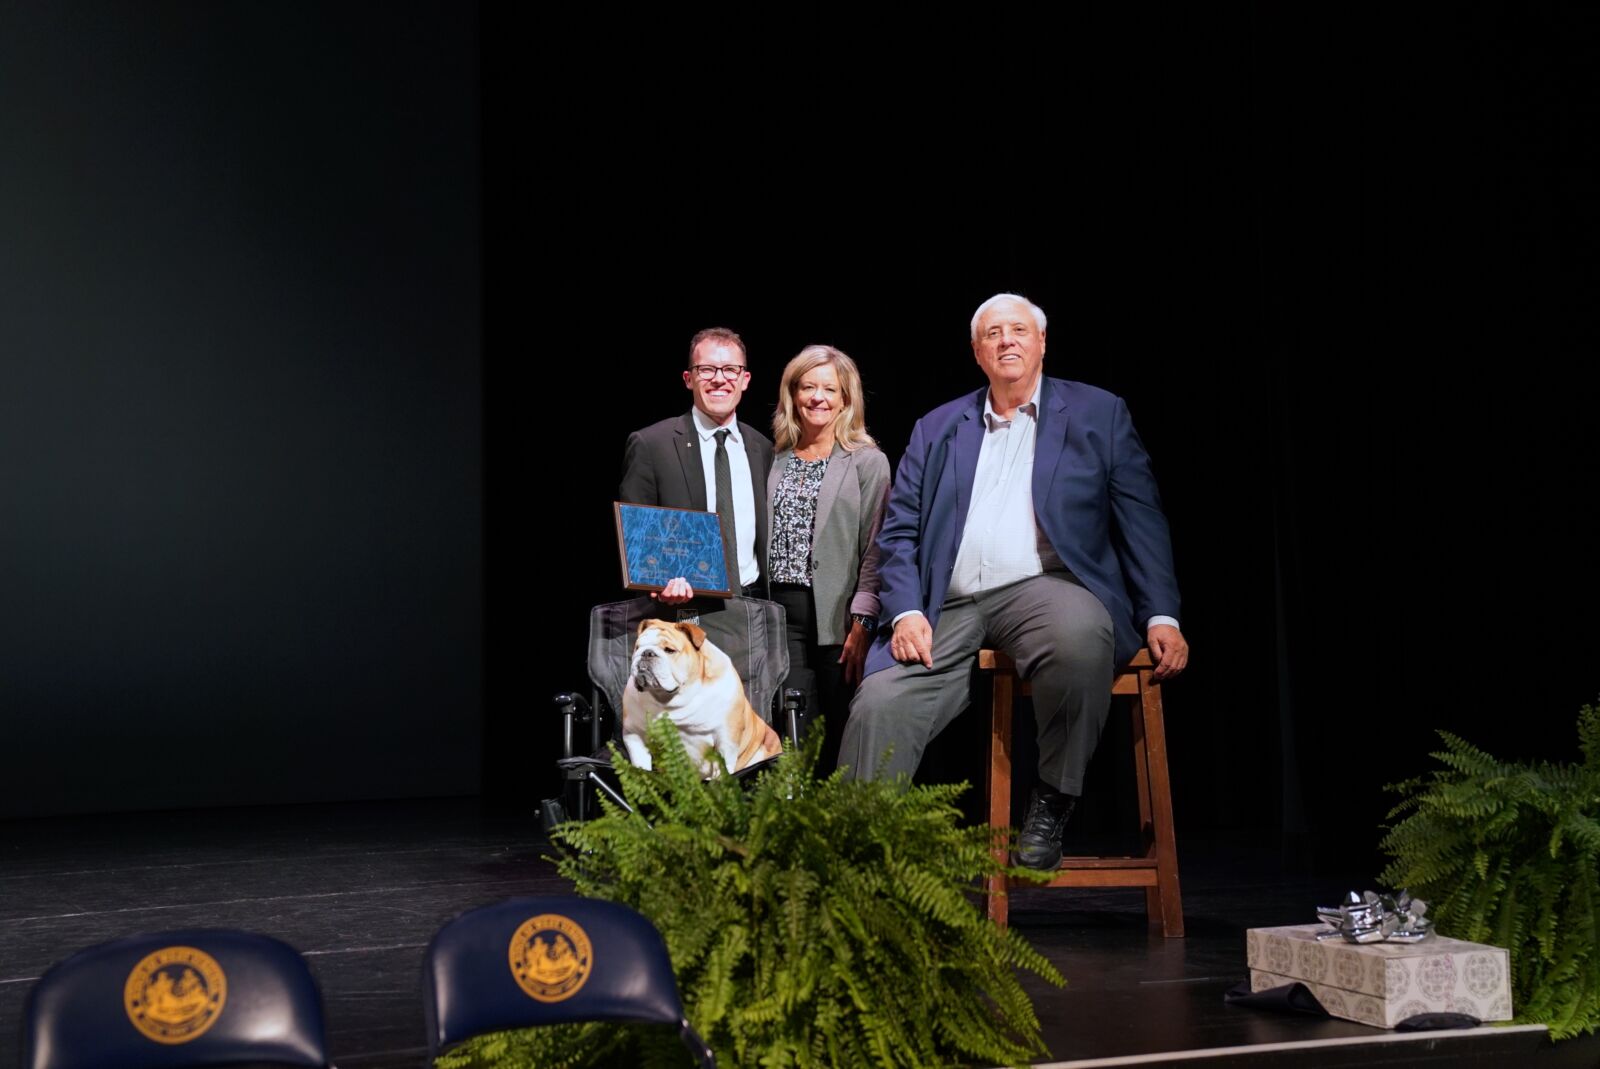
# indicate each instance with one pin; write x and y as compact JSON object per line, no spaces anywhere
{"x":1433,"y":1022}
{"x":1290,"y":998}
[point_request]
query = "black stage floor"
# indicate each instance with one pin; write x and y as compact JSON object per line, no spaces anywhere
{"x":360,"y":888}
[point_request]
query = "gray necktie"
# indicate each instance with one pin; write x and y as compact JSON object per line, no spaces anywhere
{"x":730,"y":547}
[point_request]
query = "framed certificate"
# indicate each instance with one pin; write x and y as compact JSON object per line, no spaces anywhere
{"x":658,"y":545}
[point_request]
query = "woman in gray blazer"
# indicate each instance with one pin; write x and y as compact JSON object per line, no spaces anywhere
{"x":827,"y":491}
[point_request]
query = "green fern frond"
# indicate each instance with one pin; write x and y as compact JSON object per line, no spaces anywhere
{"x":1589,"y":735}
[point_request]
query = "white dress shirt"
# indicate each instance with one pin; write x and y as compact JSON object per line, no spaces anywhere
{"x":744,"y":495}
{"x":1002,"y":542}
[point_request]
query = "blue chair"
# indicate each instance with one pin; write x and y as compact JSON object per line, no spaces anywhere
{"x":527,"y":962}
{"x":175,"y":999}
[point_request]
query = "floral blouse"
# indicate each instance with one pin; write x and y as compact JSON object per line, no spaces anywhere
{"x":794,"y":513}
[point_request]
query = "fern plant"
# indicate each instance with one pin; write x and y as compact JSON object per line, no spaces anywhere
{"x":1509,"y":854}
{"x":810,"y":923}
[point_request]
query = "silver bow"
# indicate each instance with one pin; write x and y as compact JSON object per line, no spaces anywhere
{"x":1375,"y":918}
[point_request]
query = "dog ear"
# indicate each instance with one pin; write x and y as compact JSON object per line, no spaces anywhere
{"x":697,"y":637}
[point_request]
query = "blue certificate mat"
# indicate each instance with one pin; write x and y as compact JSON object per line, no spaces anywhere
{"x":659,"y":544}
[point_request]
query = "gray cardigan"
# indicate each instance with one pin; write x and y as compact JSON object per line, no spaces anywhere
{"x":844,"y":539}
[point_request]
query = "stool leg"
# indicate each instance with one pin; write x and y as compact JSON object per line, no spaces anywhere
{"x":1166,"y":844}
{"x":997,"y":783}
{"x":1147,"y":835}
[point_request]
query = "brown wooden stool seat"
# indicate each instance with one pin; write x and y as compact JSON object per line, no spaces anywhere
{"x":1156,"y":870}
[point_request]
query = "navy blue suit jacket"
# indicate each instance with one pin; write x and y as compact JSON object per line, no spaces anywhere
{"x":1093,"y":493}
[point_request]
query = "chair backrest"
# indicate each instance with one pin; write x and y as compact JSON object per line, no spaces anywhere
{"x":749,"y":630}
{"x":171,"y":999}
{"x":548,"y":960}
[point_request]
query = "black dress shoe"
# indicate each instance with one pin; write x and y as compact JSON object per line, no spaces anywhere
{"x":1039,"y":843}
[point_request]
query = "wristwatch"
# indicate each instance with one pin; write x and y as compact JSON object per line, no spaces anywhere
{"x":868,"y":622}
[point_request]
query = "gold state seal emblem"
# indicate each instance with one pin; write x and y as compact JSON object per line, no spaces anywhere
{"x":175,"y":994}
{"x":550,"y":957}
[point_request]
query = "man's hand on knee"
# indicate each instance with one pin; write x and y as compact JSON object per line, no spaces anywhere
{"x":913,"y":640}
{"x":1170,"y":649}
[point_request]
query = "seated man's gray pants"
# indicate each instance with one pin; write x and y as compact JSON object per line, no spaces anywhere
{"x":1061,"y":639}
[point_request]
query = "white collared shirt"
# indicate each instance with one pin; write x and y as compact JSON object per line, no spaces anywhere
{"x":744,"y":495}
{"x":1002,"y":541}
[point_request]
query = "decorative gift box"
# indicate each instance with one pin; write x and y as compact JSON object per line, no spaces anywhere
{"x":1383,"y":983}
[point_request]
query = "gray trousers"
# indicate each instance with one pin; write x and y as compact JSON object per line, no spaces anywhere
{"x":1061,"y":639}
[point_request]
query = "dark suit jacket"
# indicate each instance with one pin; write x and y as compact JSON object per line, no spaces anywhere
{"x":1094,"y":496}
{"x":662,"y":466}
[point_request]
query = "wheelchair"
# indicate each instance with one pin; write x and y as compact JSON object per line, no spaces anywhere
{"x":749,"y":630}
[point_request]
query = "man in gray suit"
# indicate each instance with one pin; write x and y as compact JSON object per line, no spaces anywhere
{"x":708,"y":460}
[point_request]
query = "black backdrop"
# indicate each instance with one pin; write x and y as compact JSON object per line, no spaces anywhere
{"x":326,"y":323}
{"x":242,"y":409}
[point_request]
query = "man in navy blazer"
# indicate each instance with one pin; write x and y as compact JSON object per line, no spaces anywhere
{"x":1023,"y":517}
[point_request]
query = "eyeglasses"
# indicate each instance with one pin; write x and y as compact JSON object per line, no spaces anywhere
{"x":708,"y":372}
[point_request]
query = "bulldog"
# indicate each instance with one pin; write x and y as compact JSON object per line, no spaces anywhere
{"x":679,"y":673}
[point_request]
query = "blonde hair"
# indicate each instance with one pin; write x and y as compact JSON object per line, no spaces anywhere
{"x":849,"y":426}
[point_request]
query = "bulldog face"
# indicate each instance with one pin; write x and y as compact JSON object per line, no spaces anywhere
{"x":666,"y":658}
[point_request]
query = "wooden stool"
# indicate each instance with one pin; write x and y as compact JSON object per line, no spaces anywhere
{"x":1157,"y":869}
